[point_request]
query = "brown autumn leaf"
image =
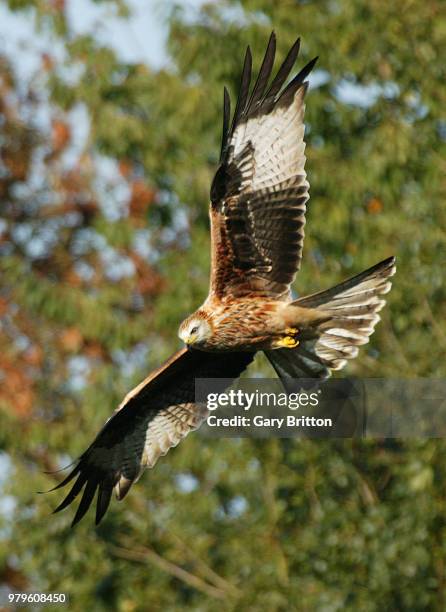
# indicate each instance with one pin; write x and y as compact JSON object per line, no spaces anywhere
{"x":47,"y":62}
{"x":149,"y":281}
{"x":3,"y":306}
{"x":60,"y":135}
{"x":16,"y":162}
{"x":13,"y":577}
{"x":385,"y":69}
{"x":125,"y":168}
{"x":34,"y":356}
{"x":23,"y":402}
{"x":72,"y":278}
{"x":57,"y":5}
{"x":16,"y":389}
{"x":141,"y":198}
{"x":94,"y":350}
{"x":374,"y":206}
{"x":71,"y":339}
{"x":150,"y":284}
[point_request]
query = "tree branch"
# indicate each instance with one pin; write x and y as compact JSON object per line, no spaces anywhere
{"x":147,"y":555}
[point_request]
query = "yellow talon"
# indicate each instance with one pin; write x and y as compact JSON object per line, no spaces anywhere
{"x":291,"y":331}
{"x":288,"y":342}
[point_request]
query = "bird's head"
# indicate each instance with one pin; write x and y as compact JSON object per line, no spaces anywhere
{"x":195,"y":330}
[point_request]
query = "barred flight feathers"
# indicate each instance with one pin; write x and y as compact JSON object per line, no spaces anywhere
{"x":259,"y":192}
{"x":348,"y":316}
{"x":153,"y":418}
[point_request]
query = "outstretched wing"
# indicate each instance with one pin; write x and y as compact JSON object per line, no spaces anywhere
{"x":259,"y":192}
{"x":153,"y":418}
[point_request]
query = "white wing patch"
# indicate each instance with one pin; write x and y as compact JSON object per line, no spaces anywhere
{"x":152,"y":439}
{"x":278,"y":145}
{"x":169,"y":427}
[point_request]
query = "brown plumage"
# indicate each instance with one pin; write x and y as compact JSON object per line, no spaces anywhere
{"x":257,"y":213}
{"x":151,"y":419}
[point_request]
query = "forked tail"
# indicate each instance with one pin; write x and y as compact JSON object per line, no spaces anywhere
{"x":349,"y":317}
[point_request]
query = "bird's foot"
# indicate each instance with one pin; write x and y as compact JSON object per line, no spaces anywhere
{"x":291,"y":331}
{"x":287,"y":342}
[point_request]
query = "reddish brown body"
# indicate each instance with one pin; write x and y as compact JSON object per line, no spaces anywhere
{"x":249,"y":324}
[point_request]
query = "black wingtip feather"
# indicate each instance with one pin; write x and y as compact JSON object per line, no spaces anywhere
{"x":226,"y":119}
{"x":264,"y":74}
{"x":66,"y":480}
{"x":85,"y":502}
{"x":297,"y":81}
{"x":51,"y":472}
{"x":74,"y":492}
{"x":259,"y":101}
{"x":306,"y":70}
{"x":244,"y":88}
{"x":284,"y":70}
{"x":387,"y":263}
{"x":104,"y":497}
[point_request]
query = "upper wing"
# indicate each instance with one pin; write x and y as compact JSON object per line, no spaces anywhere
{"x":153,"y":417}
{"x":259,"y":191}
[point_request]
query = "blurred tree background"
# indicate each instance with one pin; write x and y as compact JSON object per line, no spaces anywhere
{"x":105,"y":167}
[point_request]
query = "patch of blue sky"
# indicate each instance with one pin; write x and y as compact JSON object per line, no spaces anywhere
{"x":318,"y":77}
{"x":38,"y":240}
{"x":85,"y":240}
{"x":116,"y":265}
{"x":8,"y":503}
{"x":22,"y":342}
{"x":131,"y":361}
{"x":84,"y":270}
{"x":237,"y":506}
{"x":112,"y":189}
{"x":364,"y":96}
{"x":18,"y":40}
{"x":142,"y":243}
{"x":141,"y":38}
{"x":186,"y":482}
{"x":78,"y":371}
{"x":79,"y":122}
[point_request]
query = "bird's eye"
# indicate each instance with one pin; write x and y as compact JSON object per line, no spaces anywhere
{"x":194,"y":330}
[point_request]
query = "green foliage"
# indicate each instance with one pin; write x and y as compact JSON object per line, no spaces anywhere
{"x":264,"y":525}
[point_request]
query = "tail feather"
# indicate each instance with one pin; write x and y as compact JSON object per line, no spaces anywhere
{"x":349,"y":313}
{"x":372,"y":279}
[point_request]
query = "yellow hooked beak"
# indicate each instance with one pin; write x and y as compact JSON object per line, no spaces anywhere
{"x":192,"y":338}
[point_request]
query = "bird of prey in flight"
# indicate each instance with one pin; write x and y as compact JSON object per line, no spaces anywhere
{"x":257,"y":213}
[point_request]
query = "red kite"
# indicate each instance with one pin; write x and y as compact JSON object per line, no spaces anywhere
{"x":257,"y":212}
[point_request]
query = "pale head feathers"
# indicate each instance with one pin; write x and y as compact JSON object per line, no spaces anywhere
{"x":196,"y":329}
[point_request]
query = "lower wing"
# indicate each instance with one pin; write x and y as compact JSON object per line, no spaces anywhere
{"x":152,"y":418}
